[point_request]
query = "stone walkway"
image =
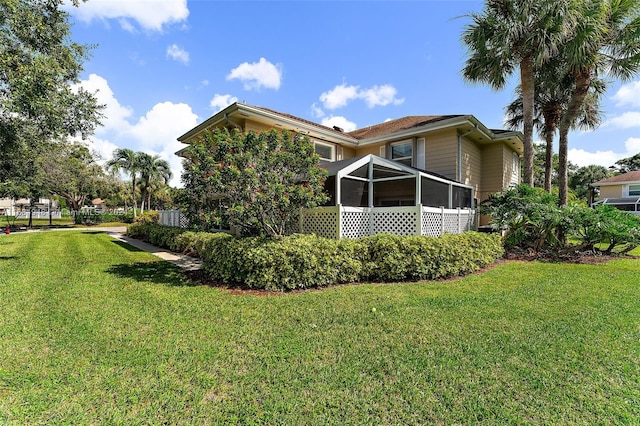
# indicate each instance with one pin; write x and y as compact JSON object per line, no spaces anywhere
{"x":186,"y":263}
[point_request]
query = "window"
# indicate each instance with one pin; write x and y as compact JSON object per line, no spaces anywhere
{"x":402,"y":152}
{"x":325,"y":151}
{"x":634,"y":190}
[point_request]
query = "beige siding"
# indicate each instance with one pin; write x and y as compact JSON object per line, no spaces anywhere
{"x":369,"y":149}
{"x":471,"y":164}
{"x":348,"y":152}
{"x":442,"y":152}
{"x":611,"y":191}
{"x":493,"y":170}
{"x":255,"y":126}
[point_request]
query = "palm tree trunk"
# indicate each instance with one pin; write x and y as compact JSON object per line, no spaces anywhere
{"x":133,"y":194}
{"x":583,"y":82}
{"x":528,"y":93}
{"x":563,"y":148}
{"x":548,"y":160}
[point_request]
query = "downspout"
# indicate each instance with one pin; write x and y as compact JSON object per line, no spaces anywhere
{"x":459,"y":168}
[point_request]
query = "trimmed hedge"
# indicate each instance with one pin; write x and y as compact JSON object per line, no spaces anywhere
{"x":305,"y":261}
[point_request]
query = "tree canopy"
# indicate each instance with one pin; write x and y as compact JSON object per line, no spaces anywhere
{"x":261,"y":179}
{"x":40,"y":100}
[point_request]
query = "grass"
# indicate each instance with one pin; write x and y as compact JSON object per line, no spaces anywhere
{"x":65,"y":222}
{"x":93,"y":331}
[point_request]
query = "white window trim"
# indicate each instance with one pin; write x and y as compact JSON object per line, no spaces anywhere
{"x":333,"y":150}
{"x":627,"y":189}
{"x":404,"y":142}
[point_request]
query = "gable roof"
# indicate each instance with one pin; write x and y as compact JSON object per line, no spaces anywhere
{"x":405,"y":127}
{"x":633,"y":176}
{"x":397,"y":125}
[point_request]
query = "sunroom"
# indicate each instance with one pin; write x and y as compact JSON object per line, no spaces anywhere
{"x":371,"y":195}
{"x":628,"y":204}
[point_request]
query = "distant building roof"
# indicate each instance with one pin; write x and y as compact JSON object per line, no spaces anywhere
{"x":633,"y":176}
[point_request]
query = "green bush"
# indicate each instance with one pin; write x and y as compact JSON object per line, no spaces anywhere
{"x":616,"y":230}
{"x":305,"y":261}
{"x":147,"y":218}
{"x":396,"y":258}
{"x":531,"y":219}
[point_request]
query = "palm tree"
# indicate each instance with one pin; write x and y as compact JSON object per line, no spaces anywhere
{"x":126,"y":160}
{"x":512,"y":34}
{"x":607,"y":42}
{"x":152,"y":170}
{"x":552,"y":95}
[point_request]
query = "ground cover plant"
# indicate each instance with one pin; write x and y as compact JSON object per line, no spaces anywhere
{"x":93,"y":331}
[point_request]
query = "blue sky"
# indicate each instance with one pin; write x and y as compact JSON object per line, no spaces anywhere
{"x":163,"y":66}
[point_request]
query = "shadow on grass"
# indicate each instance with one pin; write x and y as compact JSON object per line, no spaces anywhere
{"x":8,"y":257}
{"x":126,"y":246}
{"x":155,"y":272}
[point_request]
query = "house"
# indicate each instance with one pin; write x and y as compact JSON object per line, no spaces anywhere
{"x":621,"y":191}
{"x":437,"y":162}
{"x":19,"y":207}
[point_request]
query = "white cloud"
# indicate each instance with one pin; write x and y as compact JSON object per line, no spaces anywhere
{"x":220,"y":102}
{"x":339,"y":121}
{"x":380,"y":96}
{"x":626,"y":120}
{"x":316,"y":111}
{"x":583,"y":158}
{"x":339,"y":96}
{"x":116,"y":115}
{"x":177,"y":53}
{"x":149,"y":14}
{"x":628,"y":94}
{"x":258,"y":75}
{"x":342,"y":94}
{"x":155,"y":133}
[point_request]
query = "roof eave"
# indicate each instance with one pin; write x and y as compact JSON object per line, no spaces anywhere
{"x":250,"y":111}
{"x":443,"y":124}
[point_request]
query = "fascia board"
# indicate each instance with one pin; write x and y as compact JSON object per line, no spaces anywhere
{"x":333,"y":137}
{"x":624,"y":182}
{"x":211,"y":121}
{"x":443,"y":124}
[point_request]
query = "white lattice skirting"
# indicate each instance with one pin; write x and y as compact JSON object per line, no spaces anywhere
{"x":173,"y":218}
{"x":354,"y":222}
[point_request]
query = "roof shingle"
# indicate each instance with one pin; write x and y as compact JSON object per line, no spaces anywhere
{"x":633,"y":176}
{"x":397,"y":125}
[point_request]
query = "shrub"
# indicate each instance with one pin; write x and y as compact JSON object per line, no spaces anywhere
{"x":305,"y":261}
{"x":617,"y":230}
{"x":396,"y":258}
{"x":148,"y":218}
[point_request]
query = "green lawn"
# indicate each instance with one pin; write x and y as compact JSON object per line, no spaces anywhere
{"x":95,"y":332}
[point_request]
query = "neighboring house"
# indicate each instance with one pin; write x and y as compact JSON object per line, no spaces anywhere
{"x":19,"y":207}
{"x":432,"y":161}
{"x":621,"y":191}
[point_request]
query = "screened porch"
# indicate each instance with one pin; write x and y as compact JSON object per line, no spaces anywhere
{"x":371,"y":195}
{"x":628,"y":204}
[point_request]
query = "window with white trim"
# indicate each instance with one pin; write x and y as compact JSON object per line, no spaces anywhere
{"x":326,"y":151}
{"x":634,"y":190}
{"x":402,"y":152}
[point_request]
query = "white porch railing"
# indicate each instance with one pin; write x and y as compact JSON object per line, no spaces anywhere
{"x":354,"y":222}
